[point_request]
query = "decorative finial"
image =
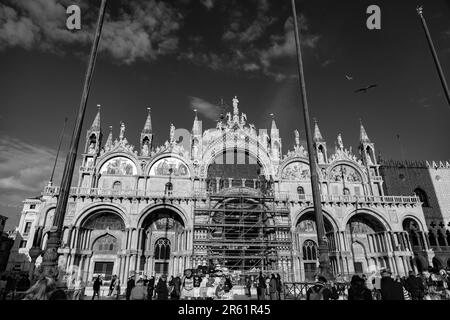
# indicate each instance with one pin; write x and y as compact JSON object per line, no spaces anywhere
{"x":149,"y":109}
{"x":419,"y":9}
{"x":110,"y":128}
{"x":99,"y":106}
{"x":272,"y":115}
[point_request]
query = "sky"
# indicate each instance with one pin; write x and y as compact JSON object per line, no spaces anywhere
{"x":174,"y":56}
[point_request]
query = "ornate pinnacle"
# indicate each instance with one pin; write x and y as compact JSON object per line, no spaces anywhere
{"x":419,"y":9}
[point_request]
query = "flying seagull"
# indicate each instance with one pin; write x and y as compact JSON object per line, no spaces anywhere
{"x":366,"y":88}
{"x":348,"y":77}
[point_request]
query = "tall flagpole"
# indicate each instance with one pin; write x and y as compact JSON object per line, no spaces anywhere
{"x":50,"y":182}
{"x":324,"y":259}
{"x":434,"y":53}
{"x":50,"y":257}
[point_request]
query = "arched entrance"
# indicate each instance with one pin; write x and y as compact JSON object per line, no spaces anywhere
{"x":306,"y":238}
{"x":103,"y":232}
{"x":163,"y":241}
{"x":367,"y":234}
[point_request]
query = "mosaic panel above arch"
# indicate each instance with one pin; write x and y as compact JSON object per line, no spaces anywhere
{"x":162,"y":168}
{"x":296,"y":171}
{"x":119,"y":166}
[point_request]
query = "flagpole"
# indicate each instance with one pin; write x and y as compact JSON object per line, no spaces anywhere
{"x":57,"y":153}
{"x":434,"y":53}
{"x":51,"y":255}
{"x":324,"y":259}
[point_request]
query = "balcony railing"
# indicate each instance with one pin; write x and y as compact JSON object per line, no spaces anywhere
{"x":290,"y":196}
{"x":280,"y":196}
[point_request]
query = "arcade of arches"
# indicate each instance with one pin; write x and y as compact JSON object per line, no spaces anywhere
{"x":102,"y":245}
{"x":364,"y":244}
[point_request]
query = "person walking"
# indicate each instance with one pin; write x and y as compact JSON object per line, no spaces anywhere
{"x":112,"y":285}
{"x":261,"y":287}
{"x":358,"y":289}
{"x":130,"y":285}
{"x":273,"y":287}
{"x":162,"y":291}
{"x":96,"y":287}
{"x":279,"y":286}
{"x":249,"y":287}
{"x":78,"y":287}
{"x":139,"y":292}
{"x":150,"y":288}
{"x":116,"y":291}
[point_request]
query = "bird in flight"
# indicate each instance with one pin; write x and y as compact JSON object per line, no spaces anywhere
{"x":348,"y":77}
{"x":366,"y":88}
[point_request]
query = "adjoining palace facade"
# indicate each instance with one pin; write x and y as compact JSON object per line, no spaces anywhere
{"x":225,"y":196}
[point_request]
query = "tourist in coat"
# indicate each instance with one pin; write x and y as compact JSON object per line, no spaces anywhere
{"x":162,"y":291}
{"x":279,"y":286}
{"x":358,"y":290}
{"x":96,"y":287}
{"x":390,"y":289}
{"x":130,"y":286}
{"x":139,"y":292}
{"x":150,"y":288}
{"x":273,"y":287}
{"x":261,"y":288}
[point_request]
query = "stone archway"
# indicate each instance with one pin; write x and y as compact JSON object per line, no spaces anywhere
{"x":103,"y":234}
{"x":163,"y":230}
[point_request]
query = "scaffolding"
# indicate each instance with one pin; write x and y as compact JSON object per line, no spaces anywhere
{"x":244,"y":231}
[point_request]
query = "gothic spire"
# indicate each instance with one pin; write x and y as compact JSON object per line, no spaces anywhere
{"x":148,"y":122}
{"x":96,"y":124}
{"x":109,"y":141}
{"x":363,"y":137}
{"x":274,"y":125}
{"x":317,"y":135}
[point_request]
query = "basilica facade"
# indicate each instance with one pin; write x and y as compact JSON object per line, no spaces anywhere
{"x":226,"y":196}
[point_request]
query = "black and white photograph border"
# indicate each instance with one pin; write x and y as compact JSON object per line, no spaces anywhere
{"x":171,"y":150}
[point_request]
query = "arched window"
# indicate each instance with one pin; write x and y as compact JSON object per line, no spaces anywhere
{"x":432,"y":239}
{"x":441,"y":239}
{"x":169,"y":188}
{"x":309,"y":250}
{"x":448,"y":238}
{"x":117,"y":187}
{"x":346,"y":192}
{"x":300,"y":191}
{"x":422,"y":196}
{"x":162,"y":249}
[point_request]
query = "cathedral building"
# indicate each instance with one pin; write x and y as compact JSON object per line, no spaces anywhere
{"x":225,"y":197}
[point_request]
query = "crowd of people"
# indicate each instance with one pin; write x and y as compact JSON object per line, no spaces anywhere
{"x":193,"y":285}
{"x":428,"y":285}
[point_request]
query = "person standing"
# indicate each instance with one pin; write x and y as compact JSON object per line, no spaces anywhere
{"x":150,"y":288}
{"x":358,"y":289}
{"x":162,"y":291}
{"x":139,"y":292}
{"x":279,"y":286}
{"x":273,"y":287}
{"x":319,"y":291}
{"x":96,"y":287}
{"x":130,"y":286}
{"x":390,"y":289}
{"x":176,"y":292}
{"x":3,"y":286}
{"x":249,"y":287}
{"x":78,"y":289}
{"x":187,"y":290}
{"x":112,"y":285}
{"x":116,"y":291}
{"x":261,"y":287}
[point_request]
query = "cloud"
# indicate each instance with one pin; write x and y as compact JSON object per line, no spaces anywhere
{"x":205,"y":108}
{"x":142,"y":30}
{"x":209,"y":4}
